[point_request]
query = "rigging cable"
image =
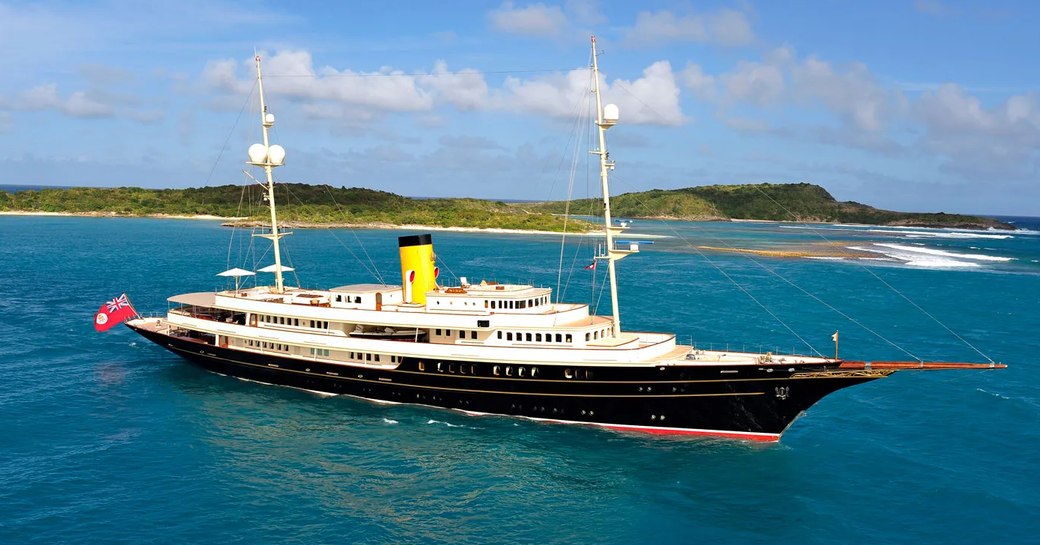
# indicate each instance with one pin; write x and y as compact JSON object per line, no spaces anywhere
{"x":879,"y":279}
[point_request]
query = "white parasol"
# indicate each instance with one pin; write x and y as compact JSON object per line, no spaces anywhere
{"x":270,"y":268}
{"x":237,"y":273}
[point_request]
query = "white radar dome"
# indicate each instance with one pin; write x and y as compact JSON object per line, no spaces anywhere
{"x":269,"y":119}
{"x":277,"y":155}
{"x":257,"y":153}
{"x":610,"y":113}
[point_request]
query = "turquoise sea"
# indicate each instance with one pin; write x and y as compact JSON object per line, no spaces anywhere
{"x":105,"y":438}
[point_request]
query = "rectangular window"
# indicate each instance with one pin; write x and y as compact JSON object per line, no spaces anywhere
{"x":462,"y":334}
{"x":509,"y":336}
{"x":569,"y":338}
{"x":368,"y":357}
{"x":559,"y":338}
{"x":528,"y":337}
{"x":538,"y":337}
{"x":499,"y":334}
{"x":483,"y":323}
{"x":472,"y":334}
{"x":438,"y":332}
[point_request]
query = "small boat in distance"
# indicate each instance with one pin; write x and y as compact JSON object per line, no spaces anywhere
{"x":491,"y":348}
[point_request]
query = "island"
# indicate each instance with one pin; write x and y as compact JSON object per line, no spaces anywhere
{"x":796,"y":202}
{"x":322,"y":205}
{"x":299,"y":206}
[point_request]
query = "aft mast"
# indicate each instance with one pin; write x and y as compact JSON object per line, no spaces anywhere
{"x":605,"y":119}
{"x":268,"y":156}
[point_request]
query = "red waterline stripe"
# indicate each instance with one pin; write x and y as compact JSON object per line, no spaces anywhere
{"x":763,"y":437}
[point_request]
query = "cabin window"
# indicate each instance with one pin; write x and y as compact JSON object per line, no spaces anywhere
{"x":462,"y":334}
{"x":509,"y":336}
{"x":496,"y":370}
{"x":538,"y":337}
{"x":499,"y":334}
{"x":377,"y":357}
{"x":520,"y":372}
{"x":483,"y":323}
{"x":492,"y":304}
{"x":528,"y":337}
{"x":509,"y":370}
{"x":521,"y":304}
{"x":422,"y":366}
{"x":534,"y":372}
{"x":569,"y":338}
{"x":447,"y":332}
{"x":559,"y":338}
{"x":440,"y":367}
{"x":368,"y":357}
{"x":587,"y":337}
{"x":357,"y":299}
{"x":567,"y":373}
{"x":339,"y":298}
{"x":473,"y":334}
{"x":438,"y":332}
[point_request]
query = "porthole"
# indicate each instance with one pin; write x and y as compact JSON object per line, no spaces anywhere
{"x":534,"y":372}
{"x":509,"y":370}
{"x":496,"y":370}
{"x":521,"y":372}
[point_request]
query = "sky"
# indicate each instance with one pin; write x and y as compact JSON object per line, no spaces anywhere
{"x":916,"y":105}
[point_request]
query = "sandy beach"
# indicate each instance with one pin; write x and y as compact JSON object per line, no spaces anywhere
{"x":230,"y":222}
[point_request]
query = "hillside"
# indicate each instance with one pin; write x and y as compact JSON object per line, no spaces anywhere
{"x":298,"y":203}
{"x":779,"y":202}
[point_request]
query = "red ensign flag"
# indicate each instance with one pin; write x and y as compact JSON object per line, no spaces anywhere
{"x":114,"y":312}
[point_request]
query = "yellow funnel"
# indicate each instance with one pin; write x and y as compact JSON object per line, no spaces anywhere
{"x":417,"y":257}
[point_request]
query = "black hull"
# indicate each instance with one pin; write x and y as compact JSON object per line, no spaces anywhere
{"x":739,"y":401}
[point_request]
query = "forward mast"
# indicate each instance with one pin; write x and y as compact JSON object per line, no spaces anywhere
{"x":606,"y":118}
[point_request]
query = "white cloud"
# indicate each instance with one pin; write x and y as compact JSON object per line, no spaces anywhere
{"x":329,"y":92}
{"x":292,"y":73}
{"x":47,"y":97}
{"x":853,"y":93}
{"x":754,"y":82}
{"x":652,"y":99}
{"x":465,"y":89}
{"x":934,"y":8}
{"x":724,"y":27}
{"x":586,"y":12}
{"x":1002,"y":140}
{"x":694,"y":78}
{"x":531,"y":20}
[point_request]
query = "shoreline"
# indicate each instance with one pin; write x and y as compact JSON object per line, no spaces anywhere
{"x":231,"y":220}
{"x":115,"y":215}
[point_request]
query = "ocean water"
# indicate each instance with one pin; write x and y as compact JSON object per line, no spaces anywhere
{"x":105,"y":438}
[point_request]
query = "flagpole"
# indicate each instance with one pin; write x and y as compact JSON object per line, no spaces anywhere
{"x":128,"y":300}
{"x":835,"y":339}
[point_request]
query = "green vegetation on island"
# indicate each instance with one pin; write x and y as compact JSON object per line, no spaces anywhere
{"x":324,"y":205}
{"x":299,"y":204}
{"x":777,"y":202}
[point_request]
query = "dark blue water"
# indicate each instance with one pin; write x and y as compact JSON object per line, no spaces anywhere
{"x":105,"y":438}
